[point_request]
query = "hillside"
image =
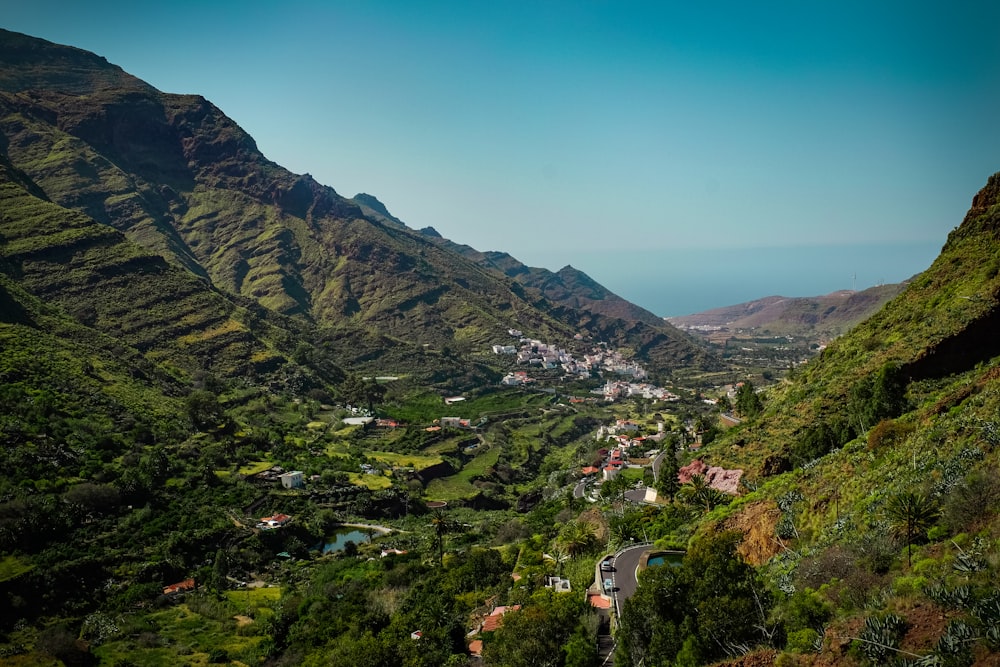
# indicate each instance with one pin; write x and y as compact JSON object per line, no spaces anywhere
{"x":819,"y":318}
{"x":896,"y":421}
{"x":178,"y":177}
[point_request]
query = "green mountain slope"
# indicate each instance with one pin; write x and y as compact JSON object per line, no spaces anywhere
{"x":872,"y":503}
{"x":180,"y":178}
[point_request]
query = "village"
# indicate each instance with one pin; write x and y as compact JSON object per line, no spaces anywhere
{"x":538,"y":354}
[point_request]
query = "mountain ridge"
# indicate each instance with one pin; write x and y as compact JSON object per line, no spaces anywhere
{"x":179,"y":177}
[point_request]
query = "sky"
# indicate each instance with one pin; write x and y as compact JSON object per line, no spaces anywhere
{"x":653,"y":145}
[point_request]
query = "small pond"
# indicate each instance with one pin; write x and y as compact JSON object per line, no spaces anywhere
{"x":337,"y":541}
{"x":672,"y":558}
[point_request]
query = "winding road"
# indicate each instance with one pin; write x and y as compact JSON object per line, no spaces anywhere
{"x":624,"y":576}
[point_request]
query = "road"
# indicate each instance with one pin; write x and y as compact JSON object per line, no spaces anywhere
{"x":624,"y":576}
{"x":580,"y":489}
{"x":657,"y":462}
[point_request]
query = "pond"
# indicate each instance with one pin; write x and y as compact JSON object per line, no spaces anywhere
{"x":340,"y":538}
{"x":672,"y":558}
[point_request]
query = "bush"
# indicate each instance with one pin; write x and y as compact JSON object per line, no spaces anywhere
{"x":888,"y":433}
{"x":971,"y":502}
{"x":802,"y":641}
{"x":218,"y":655}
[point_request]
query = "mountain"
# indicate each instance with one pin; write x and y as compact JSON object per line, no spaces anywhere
{"x":180,"y":179}
{"x":819,"y":318}
{"x":870,"y":500}
{"x":578,"y":299}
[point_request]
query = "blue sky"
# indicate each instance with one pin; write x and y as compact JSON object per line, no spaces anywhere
{"x":563,"y":132}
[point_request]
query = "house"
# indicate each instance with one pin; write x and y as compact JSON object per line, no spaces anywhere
{"x":274,"y":521}
{"x":180,"y":587}
{"x":292,"y":480}
{"x":558,"y":584}
{"x":392,"y":552}
{"x":495,"y":618}
{"x":626,"y":426}
{"x":456,"y":422}
{"x":416,"y":634}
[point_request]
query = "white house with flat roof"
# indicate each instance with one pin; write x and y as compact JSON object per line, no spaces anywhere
{"x":292,"y":480}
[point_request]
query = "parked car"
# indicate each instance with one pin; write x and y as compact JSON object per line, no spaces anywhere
{"x":607,"y":565}
{"x":609,"y":586}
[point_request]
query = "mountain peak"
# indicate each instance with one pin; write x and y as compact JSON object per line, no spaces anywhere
{"x":36,"y":64}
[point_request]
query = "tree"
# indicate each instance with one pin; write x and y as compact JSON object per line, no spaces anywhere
{"x":204,"y":410}
{"x":878,"y":397}
{"x":356,"y":391}
{"x":441,"y":525}
{"x":748,"y":403}
{"x":577,"y":537}
{"x":220,"y":569}
{"x":696,"y":613}
{"x":910,"y":515}
{"x":667,"y":482}
{"x":698,"y":492}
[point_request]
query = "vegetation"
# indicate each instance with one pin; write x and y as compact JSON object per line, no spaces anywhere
{"x":182,"y":321}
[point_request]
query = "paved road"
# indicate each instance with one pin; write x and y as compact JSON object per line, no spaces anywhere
{"x":636,"y":495}
{"x":626,"y":564}
{"x":657,"y":462}
{"x":580,"y":488}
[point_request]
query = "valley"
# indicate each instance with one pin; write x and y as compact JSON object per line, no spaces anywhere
{"x":245,"y":420}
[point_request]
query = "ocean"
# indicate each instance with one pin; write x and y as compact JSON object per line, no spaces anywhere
{"x":681,"y":282}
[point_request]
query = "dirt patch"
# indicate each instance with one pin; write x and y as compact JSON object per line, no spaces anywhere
{"x":763,"y":658}
{"x":757,"y":522}
{"x":242,"y":620}
{"x":925,"y":625}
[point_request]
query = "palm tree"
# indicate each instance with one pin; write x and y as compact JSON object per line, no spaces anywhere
{"x":441,"y":525}
{"x":559,"y":555}
{"x":577,"y":537}
{"x":698,"y":492}
{"x":910,"y":516}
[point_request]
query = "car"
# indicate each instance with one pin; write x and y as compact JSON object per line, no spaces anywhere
{"x":607,"y":565}
{"x":609,"y":586}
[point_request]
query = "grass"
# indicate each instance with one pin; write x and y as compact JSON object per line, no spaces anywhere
{"x":187,"y":632}
{"x":12,"y":567}
{"x":459,"y":485}
{"x":255,"y":597}
{"x":373,"y":482}
{"x":255,"y":467}
{"x":415,"y":461}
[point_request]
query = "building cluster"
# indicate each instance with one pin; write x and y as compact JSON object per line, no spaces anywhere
{"x":536,"y":353}
{"x":615,"y":389}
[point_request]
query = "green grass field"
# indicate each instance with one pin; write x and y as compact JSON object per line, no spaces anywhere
{"x":459,"y":485}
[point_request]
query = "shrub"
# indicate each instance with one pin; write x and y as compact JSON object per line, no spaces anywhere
{"x":218,"y":655}
{"x":802,"y":641}
{"x":888,"y":433}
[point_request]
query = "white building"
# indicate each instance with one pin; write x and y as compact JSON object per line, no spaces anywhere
{"x":292,"y":480}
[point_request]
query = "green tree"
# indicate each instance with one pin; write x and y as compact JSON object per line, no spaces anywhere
{"x":696,"y":613}
{"x":220,"y":570}
{"x":577,"y":537}
{"x":667,"y":483}
{"x":910,"y":516}
{"x":748,"y":403}
{"x":877,"y":397}
{"x":697,"y":492}
{"x":204,"y":409}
